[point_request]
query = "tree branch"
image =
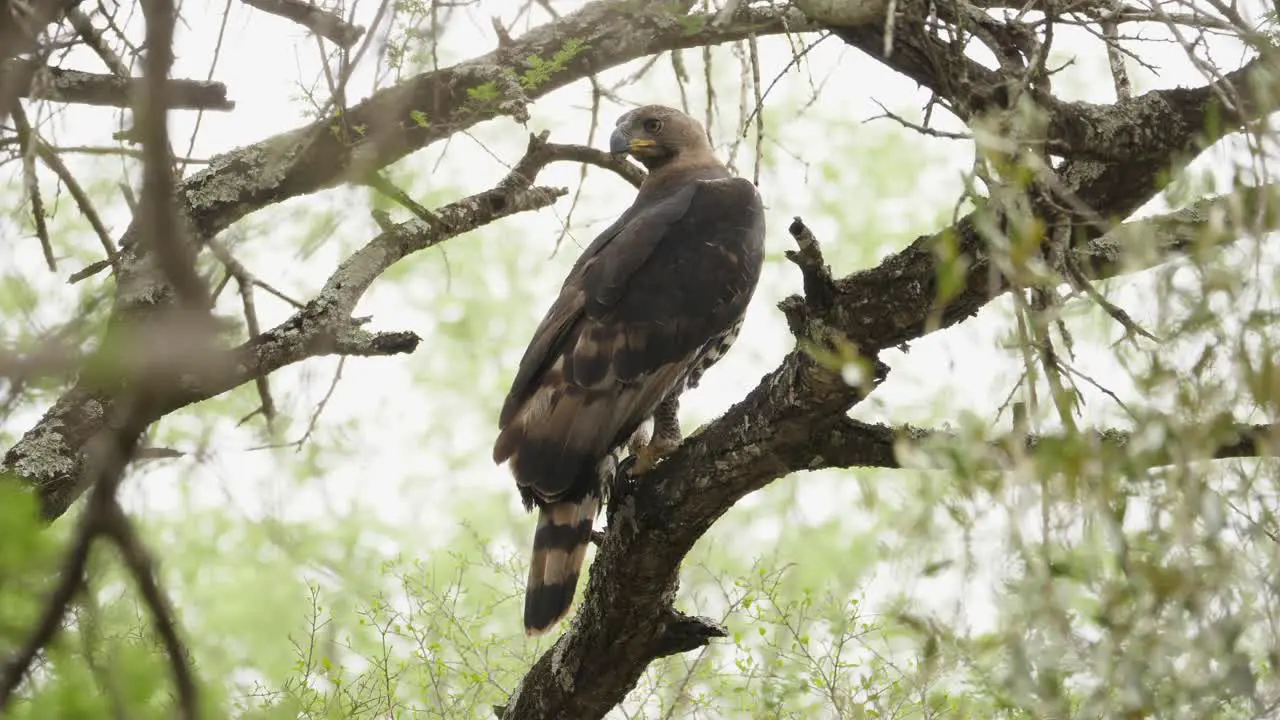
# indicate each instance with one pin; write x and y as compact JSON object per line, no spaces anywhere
{"x":851,"y":443}
{"x":169,"y":243}
{"x":48,"y":457}
{"x":324,"y":23}
{"x":795,"y":419}
{"x":74,"y":86}
{"x":770,"y":433}
{"x":397,"y":121}
{"x":312,"y":158}
{"x":21,"y":24}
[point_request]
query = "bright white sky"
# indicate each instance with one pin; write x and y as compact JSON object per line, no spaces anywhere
{"x":383,"y":405}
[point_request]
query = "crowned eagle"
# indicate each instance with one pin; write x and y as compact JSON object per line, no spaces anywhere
{"x":654,"y":301}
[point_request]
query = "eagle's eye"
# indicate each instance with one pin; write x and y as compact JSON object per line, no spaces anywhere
{"x":652,"y":125}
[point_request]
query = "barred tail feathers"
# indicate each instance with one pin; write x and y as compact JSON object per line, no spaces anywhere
{"x":559,"y":547}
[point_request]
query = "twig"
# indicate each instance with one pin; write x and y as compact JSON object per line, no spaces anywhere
{"x":141,"y":565}
{"x":793,"y":62}
{"x":539,"y":153}
{"x":596,"y":95}
{"x":389,"y":190}
{"x":245,"y":285}
{"x":682,"y":78}
{"x":324,"y":402}
{"x":118,"y":151}
{"x":1081,"y":283}
{"x":93,"y":38}
{"x":923,"y":130}
{"x":27,"y":146}
{"x":213,"y":64}
{"x":1119,"y":75}
{"x":314,"y":421}
{"x":245,"y":281}
{"x":504,"y":37}
{"x":326,"y":24}
{"x":88,"y":271}
{"x":54,"y":163}
{"x":754,"y":48}
{"x":69,"y":582}
{"x":1100,"y":388}
{"x":157,"y":453}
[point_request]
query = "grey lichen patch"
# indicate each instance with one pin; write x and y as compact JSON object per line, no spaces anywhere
{"x":1106,"y":249}
{"x":44,"y":456}
{"x":233,"y":178}
{"x":1078,"y":173}
{"x":564,"y":665}
{"x":93,"y":411}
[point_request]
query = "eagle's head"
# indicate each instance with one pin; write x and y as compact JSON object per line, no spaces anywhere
{"x":656,"y":135}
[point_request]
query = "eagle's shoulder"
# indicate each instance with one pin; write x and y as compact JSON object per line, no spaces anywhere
{"x":727,"y":190}
{"x":732,"y":200}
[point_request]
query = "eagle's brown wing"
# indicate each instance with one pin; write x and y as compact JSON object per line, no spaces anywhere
{"x":672,"y":275}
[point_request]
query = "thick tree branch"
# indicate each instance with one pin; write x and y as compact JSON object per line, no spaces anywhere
{"x":74,"y":86}
{"x":795,"y":419}
{"x":432,"y":106}
{"x":1204,"y":225}
{"x":851,"y":443}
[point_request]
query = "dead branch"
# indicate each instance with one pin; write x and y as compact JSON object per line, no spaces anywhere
{"x":74,"y":86}
{"x":326,"y":24}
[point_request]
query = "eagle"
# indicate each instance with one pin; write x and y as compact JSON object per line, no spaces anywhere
{"x":652,"y":303}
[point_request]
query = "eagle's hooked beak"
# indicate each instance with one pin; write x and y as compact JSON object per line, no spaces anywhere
{"x":620,"y":144}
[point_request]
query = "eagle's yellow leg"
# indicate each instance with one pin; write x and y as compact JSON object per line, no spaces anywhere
{"x":666,"y":437}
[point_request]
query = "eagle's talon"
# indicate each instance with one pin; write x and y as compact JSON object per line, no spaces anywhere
{"x":650,"y":455}
{"x":624,"y":467}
